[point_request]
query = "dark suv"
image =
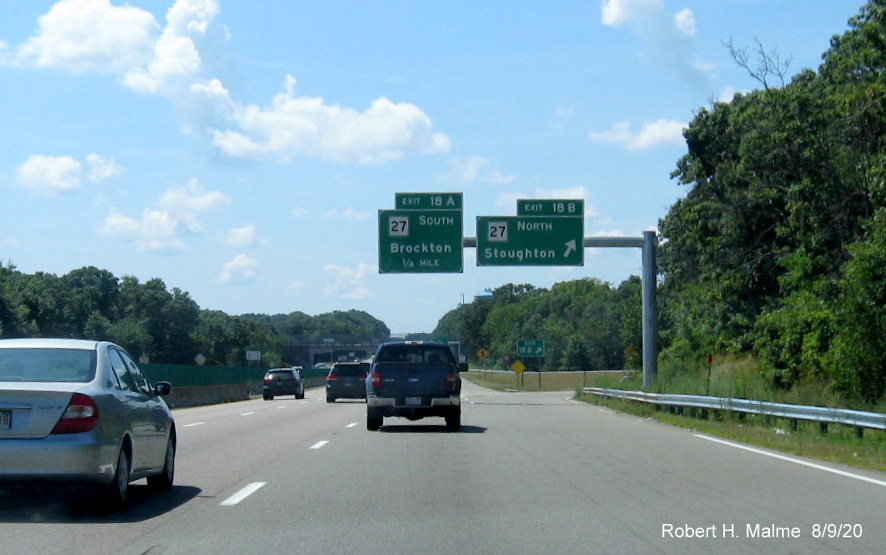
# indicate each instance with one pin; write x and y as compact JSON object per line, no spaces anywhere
{"x":346,"y":380}
{"x":282,"y":381}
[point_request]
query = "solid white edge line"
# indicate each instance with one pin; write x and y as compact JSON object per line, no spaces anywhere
{"x":793,"y":460}
{"x":319,"y":444}
{"x":243,"y":493}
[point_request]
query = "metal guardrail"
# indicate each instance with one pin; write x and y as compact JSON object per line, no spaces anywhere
{"x":822,"y":415}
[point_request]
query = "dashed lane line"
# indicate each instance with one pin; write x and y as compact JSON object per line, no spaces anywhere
{"x":243,"y":494}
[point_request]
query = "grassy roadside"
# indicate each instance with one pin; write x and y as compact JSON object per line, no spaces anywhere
{"x":839,"y":445}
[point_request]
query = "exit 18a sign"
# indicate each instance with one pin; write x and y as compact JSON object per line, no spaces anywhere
{"x":428,"y":201}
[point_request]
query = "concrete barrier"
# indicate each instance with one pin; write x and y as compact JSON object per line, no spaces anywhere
{"x":195,"y":396}
{"x":181,"y":397}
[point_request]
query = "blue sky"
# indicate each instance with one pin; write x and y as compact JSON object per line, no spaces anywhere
{"x":240,"y":151}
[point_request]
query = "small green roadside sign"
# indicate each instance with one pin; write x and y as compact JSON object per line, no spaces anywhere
{"x":420,"y":241}
{"x":530,"y":241}
{"x":530,"y":347}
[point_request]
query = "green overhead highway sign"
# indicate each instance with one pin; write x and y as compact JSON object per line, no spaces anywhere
{"x":420,"y":241}
{"x":530,"y":241}
{"x":555,"y":207}
{"x":428,"y":201}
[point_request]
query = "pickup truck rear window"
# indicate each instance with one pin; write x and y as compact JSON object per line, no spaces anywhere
{"x":416,"y":354}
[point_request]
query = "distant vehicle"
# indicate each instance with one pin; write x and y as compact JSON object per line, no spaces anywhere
{"x":414,"y":379}
{"x":282,"y":381}
{"x":346,"y":380}
{"x":81,"y":412}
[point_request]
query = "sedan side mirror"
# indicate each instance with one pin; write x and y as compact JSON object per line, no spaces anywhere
{"x":162,"y":388}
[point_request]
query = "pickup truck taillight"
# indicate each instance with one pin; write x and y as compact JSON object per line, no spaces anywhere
{"x":451,"y":380}
{"x":376,"y":379}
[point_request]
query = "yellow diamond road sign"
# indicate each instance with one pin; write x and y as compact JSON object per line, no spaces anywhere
{"x":518,"y":367}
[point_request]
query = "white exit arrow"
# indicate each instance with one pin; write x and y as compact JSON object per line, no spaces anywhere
{"x":570,"y":247}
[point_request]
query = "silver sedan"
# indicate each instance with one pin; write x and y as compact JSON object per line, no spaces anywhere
{"x":78,"y":411}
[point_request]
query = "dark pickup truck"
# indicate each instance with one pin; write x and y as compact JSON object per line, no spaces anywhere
{"x":414,"y":379}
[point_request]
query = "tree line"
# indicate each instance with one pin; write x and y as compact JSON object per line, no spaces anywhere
{"x":166,"y":326}
{"x":779,"y":247}
{"x":586,"y":324}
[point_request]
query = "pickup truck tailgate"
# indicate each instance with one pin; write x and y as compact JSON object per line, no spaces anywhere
{"x":413,"y":385}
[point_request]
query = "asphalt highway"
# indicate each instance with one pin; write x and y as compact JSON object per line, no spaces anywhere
{"x":528,"y":473}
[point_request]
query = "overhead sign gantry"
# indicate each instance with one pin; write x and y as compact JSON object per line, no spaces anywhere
{"x":423,"y":234}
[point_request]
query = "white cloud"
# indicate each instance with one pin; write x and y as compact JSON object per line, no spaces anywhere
{"x":477,"y":169}
{"x":241,"y":236}
{"x":307,"y":126}
{"x":183,"y":61}
{"x":49,"y":175}
{"x":188,"y":202}
{"x":89,"y":36}
{"x":102,"y":169}
{"x":684,"y":21}
{"x":159,"y":229}
{"x":669,"y":37}
{"x":347,"y":283}
{"x":156,"y":231}
{"x":653,"y":134}
{"x":241,"y":268}
{"x":347,"y":214}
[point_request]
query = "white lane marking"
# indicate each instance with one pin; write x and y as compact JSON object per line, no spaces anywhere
{"x":281,"y":407}
{"x":246,"y":413}
{"x":243,"y":493}
{"x":319,"y":444}
{"x":351,"y":425}
{"x":793,"y":460}
{"x":193,"y":424}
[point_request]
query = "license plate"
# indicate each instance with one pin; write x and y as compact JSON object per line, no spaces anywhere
{"x":5,"y":419}
{"x":413,"y":400}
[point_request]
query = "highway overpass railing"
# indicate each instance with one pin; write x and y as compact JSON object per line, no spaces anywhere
{"x":860,"y":420}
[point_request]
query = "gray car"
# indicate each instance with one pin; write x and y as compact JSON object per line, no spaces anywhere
{"x":81,"y":412}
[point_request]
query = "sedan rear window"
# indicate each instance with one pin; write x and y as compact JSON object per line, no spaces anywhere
{"x":47,"y":365}
{"x":349,"y":369}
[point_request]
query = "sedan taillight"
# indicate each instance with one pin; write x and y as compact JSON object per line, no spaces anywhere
{"x":80,"y":416}
{"x":331,"y":377}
